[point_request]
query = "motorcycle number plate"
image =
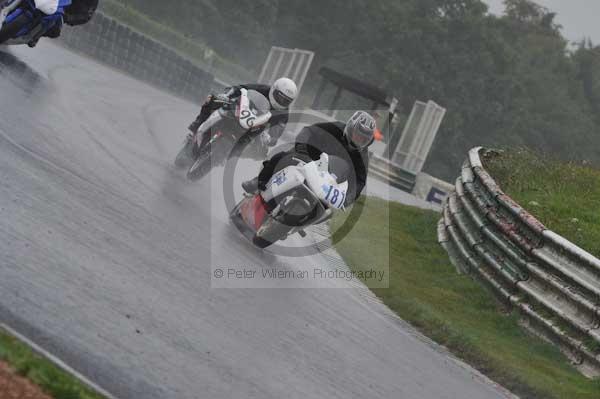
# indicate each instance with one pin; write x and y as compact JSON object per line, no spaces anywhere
{"x":334,"y":196}
{"x":279,"y":178}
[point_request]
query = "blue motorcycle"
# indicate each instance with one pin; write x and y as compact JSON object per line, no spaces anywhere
{"x":25,"y":21}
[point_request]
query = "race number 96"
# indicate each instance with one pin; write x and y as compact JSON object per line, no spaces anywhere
{"x":248,"y":117}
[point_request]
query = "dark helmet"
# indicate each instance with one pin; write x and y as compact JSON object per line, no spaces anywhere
{"x":360,"y":130}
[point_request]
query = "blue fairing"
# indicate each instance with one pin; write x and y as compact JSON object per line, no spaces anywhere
{"x":36,"y":17}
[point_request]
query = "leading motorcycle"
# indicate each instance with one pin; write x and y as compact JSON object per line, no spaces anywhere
{"x":234,"y":125}
{"x":296,"y":197}
{"x":23,"y":20}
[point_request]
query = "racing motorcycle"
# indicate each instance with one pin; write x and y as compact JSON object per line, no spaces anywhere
{"x":233,"y":125}
{"x":296,"y":197}
{"x":23,"y":20}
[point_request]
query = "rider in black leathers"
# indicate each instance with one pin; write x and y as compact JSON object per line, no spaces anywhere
{"x":348,"y":141}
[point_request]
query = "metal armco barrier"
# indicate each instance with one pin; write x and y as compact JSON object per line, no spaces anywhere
{"x":386,"y":172}
{"x":121,"y":47}
{"x":554,"y":284}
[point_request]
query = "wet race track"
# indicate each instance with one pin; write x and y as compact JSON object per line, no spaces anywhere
{"x":106,"y":258}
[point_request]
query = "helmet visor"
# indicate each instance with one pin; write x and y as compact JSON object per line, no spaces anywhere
{"x":361,"y":138}
{"x":282,"y":99}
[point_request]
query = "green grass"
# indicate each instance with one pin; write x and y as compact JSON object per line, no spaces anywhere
{"x":455,"y":311}
{"x":563,"y":196}
{"x":192,"y":48}
{"x":52,"y":380}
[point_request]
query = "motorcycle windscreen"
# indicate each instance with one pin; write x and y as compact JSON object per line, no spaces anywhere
{"x":339,"y":168}
{"x":259,"y":102}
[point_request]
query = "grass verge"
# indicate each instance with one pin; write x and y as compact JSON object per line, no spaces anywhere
{"x":42,"y":372}
{"x":452,"y":309}
{"x":563,"y":196}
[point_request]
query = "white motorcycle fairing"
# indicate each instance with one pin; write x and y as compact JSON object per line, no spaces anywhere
{"x":265,"y":227}
{"x":247,"y":117}
{"x":323,"y":184}
{"x":282,"y":182}
{"x":317,"y":177}
{"x":48,"y":7}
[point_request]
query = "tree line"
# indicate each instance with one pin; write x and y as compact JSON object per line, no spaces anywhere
{"x":512,"y":80}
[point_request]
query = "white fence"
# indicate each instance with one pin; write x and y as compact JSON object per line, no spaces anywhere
{"x":418,"y":136}
{"x":289,"y":63}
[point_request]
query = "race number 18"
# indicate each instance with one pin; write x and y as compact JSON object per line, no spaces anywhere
{"x":333,"y":195}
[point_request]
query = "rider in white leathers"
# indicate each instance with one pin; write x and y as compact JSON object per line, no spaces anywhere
{"x":281,"y":94}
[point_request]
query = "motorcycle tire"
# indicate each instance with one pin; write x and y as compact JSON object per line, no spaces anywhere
{"x":261,"y":242}
{"x":185,"y":156}
{"x":271,"y":231}
{"x":201,"y":167}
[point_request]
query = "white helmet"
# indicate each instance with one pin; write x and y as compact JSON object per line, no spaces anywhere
{"x":283,"y":92}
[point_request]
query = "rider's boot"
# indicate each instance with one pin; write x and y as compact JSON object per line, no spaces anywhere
{"x":52,"y":33}
{"x":207,"y":109}
{"x":251,"y":186}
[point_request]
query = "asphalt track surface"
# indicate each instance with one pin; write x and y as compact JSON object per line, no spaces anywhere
{"x":106,"y":258}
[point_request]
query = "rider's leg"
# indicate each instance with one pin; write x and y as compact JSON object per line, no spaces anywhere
{"x":205,"y":127}
{"x":189,"y":152}
{"x":207,"y":109}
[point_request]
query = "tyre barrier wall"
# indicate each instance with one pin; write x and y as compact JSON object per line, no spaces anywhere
{"x":552,"y":283}
{"x":119,"y":46}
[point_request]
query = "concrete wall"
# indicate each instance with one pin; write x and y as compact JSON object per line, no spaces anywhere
{"x":119,"y":46}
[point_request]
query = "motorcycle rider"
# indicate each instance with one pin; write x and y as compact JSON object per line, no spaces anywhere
{"x":74,"y":12}
{"x":281,"y":94}
{"x":348,"y":141}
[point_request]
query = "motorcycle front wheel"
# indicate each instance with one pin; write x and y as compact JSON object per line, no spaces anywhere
{"x":202,"y":166}
{"x":260,"y":242}
{"x":185,"y":156}
{"x":271,"y":231}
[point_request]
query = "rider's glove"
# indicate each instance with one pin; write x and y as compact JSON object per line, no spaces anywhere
{"x":222,"y":98}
